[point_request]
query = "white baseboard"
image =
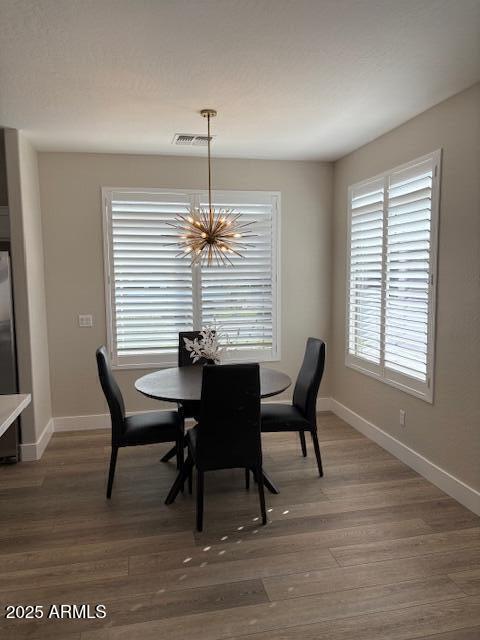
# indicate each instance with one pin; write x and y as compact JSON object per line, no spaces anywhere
{"x":90,"y":422}
{"x":31,"y":451}
{"x":82,"y":423}
{"x":102,"y":420}
{"x":323,"y":404}
{"x":462,"y":492}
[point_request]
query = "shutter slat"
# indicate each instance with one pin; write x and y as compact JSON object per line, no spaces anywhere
{"x":412,"y":196}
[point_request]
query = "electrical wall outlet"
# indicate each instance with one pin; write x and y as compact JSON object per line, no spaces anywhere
{"x":85,"y":320}
{"x":403,"y":415}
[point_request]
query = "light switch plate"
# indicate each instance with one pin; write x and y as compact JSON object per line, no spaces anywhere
{"x":85,"y":320}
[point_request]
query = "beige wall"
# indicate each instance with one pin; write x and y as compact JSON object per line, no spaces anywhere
{"x":447,"y":432}
{"x":29,"y":283}
{"x":72,"y":225}
{"x":4,"y":219}
{"x":3,"y":172}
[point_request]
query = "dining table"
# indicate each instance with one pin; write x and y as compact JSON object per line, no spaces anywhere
{"x":184,"y":384}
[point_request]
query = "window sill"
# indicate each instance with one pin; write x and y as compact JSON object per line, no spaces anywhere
{"x":426,"y":396}
{"x":155,"y":366}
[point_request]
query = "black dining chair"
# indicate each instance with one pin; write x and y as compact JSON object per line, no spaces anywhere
{"x":190,"y":408}
{"x":227,"y":435}
{"x":301,"y":415}
{"x":143,"y":428}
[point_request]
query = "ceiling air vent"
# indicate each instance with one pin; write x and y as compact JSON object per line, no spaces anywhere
{"x":191,"y":139}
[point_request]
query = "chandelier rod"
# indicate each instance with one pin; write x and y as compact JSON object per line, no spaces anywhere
{"x":209,"y":172}
{"x":209,"y":113}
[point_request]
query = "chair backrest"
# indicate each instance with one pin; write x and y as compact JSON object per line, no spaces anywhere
{"x":184,"y":359}
{"x":112,"y":394}
{"x":309,"y":378}
{"x":228,"y":434}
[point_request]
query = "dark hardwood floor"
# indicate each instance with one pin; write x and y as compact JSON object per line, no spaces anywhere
{"x":370,"y":552}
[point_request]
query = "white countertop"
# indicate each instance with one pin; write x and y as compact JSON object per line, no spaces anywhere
{"x":11,"y":407}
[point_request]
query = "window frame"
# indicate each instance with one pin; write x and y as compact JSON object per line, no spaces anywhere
{"x":194,"y":195}
{"x":403,"y":382}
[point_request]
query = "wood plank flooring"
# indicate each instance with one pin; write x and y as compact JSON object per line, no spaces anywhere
{"x":370,"y":552}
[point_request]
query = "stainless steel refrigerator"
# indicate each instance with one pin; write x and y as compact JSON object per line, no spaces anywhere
{"x":9,"y":442}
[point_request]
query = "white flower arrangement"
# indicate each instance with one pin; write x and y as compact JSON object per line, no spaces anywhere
{"x":207,"y":345}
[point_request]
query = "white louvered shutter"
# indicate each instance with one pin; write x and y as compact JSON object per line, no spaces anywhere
{"x":153,"y":293}
{"x":393,"y":227}
{"x":408,"y":300}
{"x":365,"y":269}
{"x":152,"y":287}
{"x":241,"y":299}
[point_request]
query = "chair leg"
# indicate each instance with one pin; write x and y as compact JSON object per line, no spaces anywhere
{"x":317,"y":453}
{"x":111,"y":471}
{"x":180,"y":460}
{"x":179,"y":452}
{"x":261,"y":494}
{"x":199,"y":500}
{"x":190,"y":481}
{"x":303,"y":443}
{"x":247,"y":478}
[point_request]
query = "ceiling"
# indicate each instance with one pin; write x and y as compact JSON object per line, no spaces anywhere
{"x":291,"y":79}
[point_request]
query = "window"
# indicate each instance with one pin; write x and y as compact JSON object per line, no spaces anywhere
{"x":153,"y":293}
{"x":393,"y":222}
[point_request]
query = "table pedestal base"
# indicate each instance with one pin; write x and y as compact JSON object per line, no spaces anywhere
{"x":267,"y":481}
{"x":171,"y":453}
{"x":184,"y":474}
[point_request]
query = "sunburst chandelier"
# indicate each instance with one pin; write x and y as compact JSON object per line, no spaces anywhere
{"x":209,"y":235}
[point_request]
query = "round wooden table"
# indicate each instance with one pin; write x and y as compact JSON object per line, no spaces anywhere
{"x":182,"y":384}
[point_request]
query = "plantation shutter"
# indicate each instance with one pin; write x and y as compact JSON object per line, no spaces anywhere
{"x":393,"y":226}
{"x":365,"y":282}
{"x":153,"y":292}
{"x":241,"y":299}
{"x":152,"y":287}
{"x":409,"y":255}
